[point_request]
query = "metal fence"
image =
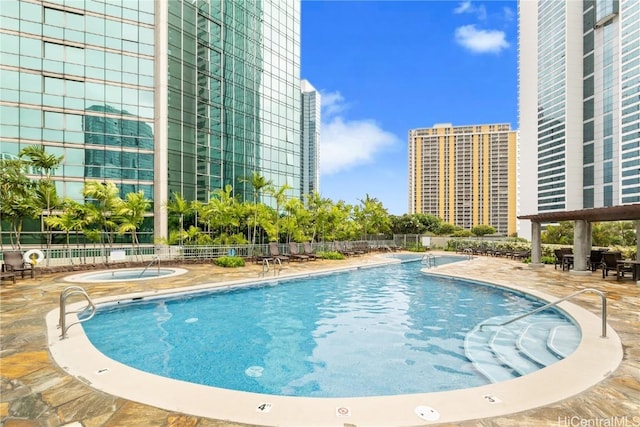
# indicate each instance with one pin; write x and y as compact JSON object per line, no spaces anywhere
{"x":56,"y":256}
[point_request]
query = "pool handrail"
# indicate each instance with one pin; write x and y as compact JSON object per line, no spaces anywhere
{"x":66,"y":293}
{"x":265,"y":266}
{"x":554,"y":303}
{"x":154,"y":259}
{"x":431,"y":260}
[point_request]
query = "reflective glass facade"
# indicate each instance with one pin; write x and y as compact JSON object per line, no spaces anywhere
{"x":630,"y":101}
{"x":552,"y":147}
{"x":310,"y":124}
{"x":156,"y":96}
{"x":233,"y":95}
{"x":78,"y":77}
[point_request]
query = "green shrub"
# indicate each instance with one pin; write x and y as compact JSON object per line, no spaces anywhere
{"x":229,"y":261}
{"x":330,"y":255}
{"x":416,"y":247}
{"x":548,"y":260}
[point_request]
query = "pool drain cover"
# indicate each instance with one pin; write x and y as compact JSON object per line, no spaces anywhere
{"x":427,"y":413}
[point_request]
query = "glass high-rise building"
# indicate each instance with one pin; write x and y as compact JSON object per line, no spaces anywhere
{"x":465,"y":175}
{"x":579,"y":72}
{"x":310,"y":133}
{"x":164,"y":97}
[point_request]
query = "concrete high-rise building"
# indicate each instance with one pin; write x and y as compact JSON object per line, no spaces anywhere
{"x":310,"y":134}
{"x":158,"y":96}
{"x":465,"y":175}
{"x":579,"y":72}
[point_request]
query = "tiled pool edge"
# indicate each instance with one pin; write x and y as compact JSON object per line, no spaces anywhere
{"x":595,"y":356}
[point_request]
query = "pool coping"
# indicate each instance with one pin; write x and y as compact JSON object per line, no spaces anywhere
{"x":594,"y":360}
{"x":78,"y":278}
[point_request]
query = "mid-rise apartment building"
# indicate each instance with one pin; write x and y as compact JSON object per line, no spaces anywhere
{"x":465,"y":175}
{"x":579,"y":72}
{"x":158,"y":96}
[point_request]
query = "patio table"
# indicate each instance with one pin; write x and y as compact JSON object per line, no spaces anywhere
{"x":634,"y":264}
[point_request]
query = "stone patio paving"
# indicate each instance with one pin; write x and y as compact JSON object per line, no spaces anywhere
{"x":37,"y":392}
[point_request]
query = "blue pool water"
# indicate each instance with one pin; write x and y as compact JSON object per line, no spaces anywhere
{"x":373,"y":331}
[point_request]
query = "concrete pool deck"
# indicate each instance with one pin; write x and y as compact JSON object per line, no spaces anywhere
{"x":37,"y":392}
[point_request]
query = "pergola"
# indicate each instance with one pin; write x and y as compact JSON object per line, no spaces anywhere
{"x":582,"y":220}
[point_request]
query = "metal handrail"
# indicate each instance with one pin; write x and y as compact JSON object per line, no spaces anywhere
{"x":544,"y":307}
{"x":265,"y":266}
{"x":277,"y":272}
{"x":431,"y":260}
{"x":468,"y":252}
{"x":154,"y":259}
{"x":66,"y":293}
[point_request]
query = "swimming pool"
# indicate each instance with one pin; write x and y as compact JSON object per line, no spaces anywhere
{"x":366,"y":332}
{"x":594,"y":359}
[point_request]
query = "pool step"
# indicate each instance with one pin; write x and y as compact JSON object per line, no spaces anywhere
{"x":563,"y":340}
{"x":506,"y":352}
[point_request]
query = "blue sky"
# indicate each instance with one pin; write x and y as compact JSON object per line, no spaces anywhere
{"x":385,"y":67}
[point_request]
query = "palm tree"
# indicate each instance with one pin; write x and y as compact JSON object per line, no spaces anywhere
{"x":67,"y":221}
{"x":15,"y":189}
{"x":372,"y":217}
{"x":259,"y":184}
{"x":105,"y":197}
{"x":45,"y":164}
{"x":221,"y":211}
{"x":296,"y":221}
{"x":179,"y":206}
{"x":319,"y":209}
{"x":131,"y":213}
{"x":281,"y":197}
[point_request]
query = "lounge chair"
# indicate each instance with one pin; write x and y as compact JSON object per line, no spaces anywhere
{"x":353,"y":248}
{"x":341,"y":248}
{"x":274,"y":251}
{"x":13,"y":261}
{"x":308,"y":251}
{"x":295,"y":254}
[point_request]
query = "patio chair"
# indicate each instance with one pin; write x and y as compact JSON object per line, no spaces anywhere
{"x":295,"y":254}
{"x":8,"y":275}
{"x":610,"y":263}
{"x":308,"y":251}
{"x":13,"y":261}
{"x":274,"y":251}
{"x":565,"y":262}
{"x":557,"y":253}
{"x":595,"y":259}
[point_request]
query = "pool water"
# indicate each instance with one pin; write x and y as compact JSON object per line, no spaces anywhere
{"x":373,"y":331}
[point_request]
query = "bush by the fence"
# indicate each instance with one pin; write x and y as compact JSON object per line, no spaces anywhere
{"x":229,"y":261}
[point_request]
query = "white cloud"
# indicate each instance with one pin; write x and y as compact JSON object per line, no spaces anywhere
{"x":467,"y":7}
{"x":481,"y":41}
{"x":345,"y":143}
{"x":332,"y":104}
{"x":509,"y":14}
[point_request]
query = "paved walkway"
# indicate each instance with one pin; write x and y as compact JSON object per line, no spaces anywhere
{"x":37,"y":392}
